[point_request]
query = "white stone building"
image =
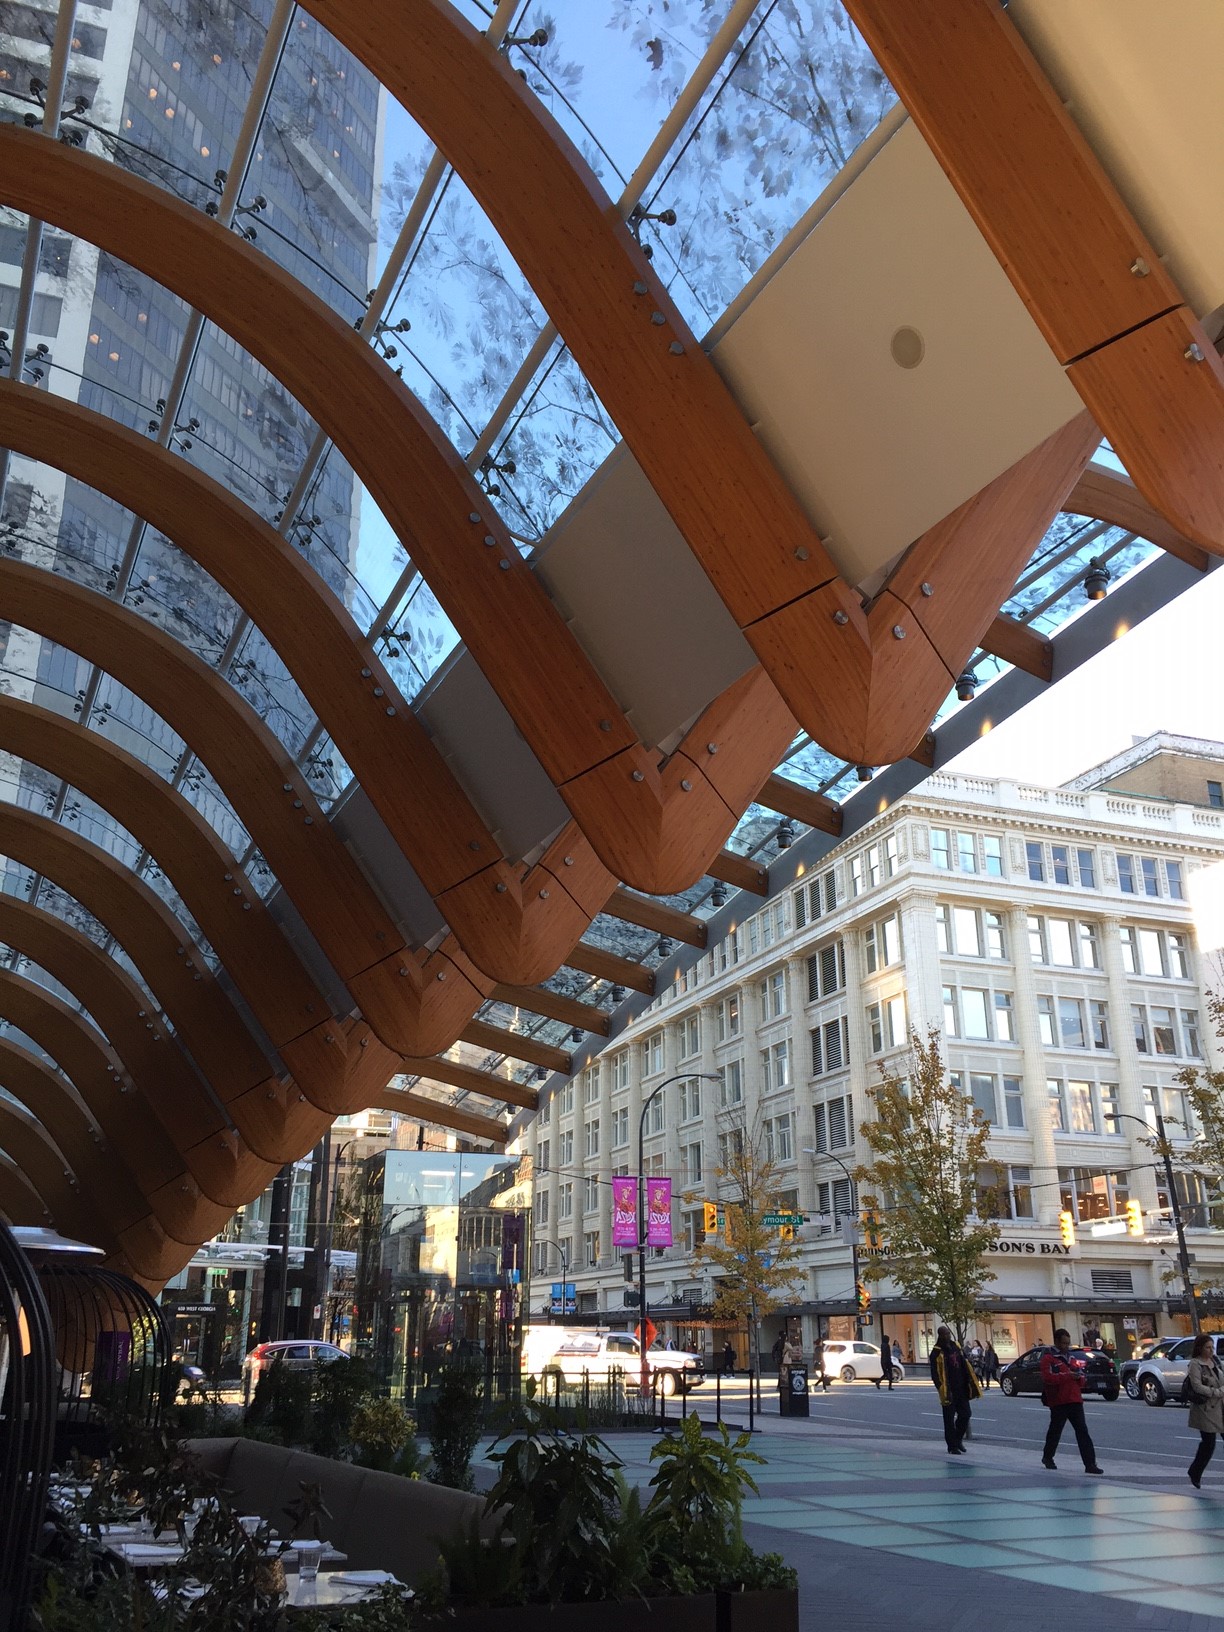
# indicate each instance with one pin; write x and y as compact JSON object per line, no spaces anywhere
{"x":1049,"y":933}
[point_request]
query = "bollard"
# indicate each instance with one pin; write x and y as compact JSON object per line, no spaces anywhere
{"x":750,"y":1427}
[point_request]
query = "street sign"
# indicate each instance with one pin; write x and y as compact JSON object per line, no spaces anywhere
{"x":652,"y":1331}
{"x":773,"y":1221}
{"x":849,"y":1226}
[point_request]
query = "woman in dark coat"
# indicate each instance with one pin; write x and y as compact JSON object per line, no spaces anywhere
{"x":886,"y":1364}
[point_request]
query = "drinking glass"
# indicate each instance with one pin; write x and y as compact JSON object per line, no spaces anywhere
{"x":309,"y":1553}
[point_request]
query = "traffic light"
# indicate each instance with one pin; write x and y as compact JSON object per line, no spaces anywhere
{"x":871,"y":1227}
{"x":1066,"y":1225}
{"x":709,"y":1214}
{"x":786,"y":1232}
{"x":862,"y":1297}
{"x":1134,"y":1218}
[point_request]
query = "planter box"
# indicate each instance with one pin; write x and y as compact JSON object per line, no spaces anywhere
{"x":677,"y":1614}
{"x":778,"y":1609}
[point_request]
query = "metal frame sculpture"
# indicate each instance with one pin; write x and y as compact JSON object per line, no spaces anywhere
{"x":27,"y":1419}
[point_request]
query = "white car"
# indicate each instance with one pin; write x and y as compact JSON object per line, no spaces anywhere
{"x":604,"y":1356}
{"x":850,"y":1361}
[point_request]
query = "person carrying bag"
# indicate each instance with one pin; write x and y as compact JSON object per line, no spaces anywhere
{"x":1205,"y":1387}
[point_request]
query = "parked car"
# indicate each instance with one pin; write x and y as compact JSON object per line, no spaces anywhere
{"x":1128,"y":1370}
{"x":1159,"y":1378}
{"x":300,"y":1355}
{"x":1023,"y":1376}
{"x":850,"y":1361}
{"x":603,"y":1355}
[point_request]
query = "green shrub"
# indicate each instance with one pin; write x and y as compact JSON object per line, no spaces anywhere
{"x":455,"y":1427}
{"x":384,"y":1437}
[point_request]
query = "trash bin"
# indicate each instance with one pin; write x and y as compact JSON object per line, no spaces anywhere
{"x":793,"y":1395}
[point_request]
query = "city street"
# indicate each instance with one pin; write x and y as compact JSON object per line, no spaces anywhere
{"x":1141,"y":1433}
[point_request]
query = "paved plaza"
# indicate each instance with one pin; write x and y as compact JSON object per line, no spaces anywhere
{"x":890,"y":1533}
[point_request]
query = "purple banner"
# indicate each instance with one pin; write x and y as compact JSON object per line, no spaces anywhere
{"x":658,"y":1213}
{"x":624,"y":1212}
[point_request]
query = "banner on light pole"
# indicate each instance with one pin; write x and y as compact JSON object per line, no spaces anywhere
{"x":624,"y":1212}
{"x":658,"y":1213}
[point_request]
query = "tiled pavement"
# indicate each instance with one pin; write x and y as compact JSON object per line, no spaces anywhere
{"x":890,"y":1535}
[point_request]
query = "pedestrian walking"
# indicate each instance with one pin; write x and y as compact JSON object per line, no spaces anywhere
{"x":896,"y":1352}
{"x":957,"y":1383}
{"x":728,"y":1359}
{"x":1062,"y":1389}
{"x":990,"y":1366}
{"x":818,"y":1363}
{"x":886,"y":1364}
{"x":777,"y":1351}
{"x":1205,"y":1383}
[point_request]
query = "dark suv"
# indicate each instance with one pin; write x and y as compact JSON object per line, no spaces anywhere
{"x":1023,"y":1376}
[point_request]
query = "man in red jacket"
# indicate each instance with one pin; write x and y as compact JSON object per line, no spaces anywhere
{"x":1062,"y":1389}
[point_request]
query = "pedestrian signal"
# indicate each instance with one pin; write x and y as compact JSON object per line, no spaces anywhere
{"x":1134,"y":1218}
{"x":1066,"y":1225}
{"x":862,"y":1297}
{"x":786,"y":1232}
{"x":709,"y":1212}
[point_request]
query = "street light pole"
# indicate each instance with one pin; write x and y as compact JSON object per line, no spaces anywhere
{"x":1183,"y":1255}
{"x":683,"y":1076}
{"x":854,"y":1257}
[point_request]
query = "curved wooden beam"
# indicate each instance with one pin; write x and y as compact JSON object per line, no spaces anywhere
{"x":1135,"y":352}
{"x":146,"y":1157}
{"x":840,"y":669}
{"x":235,"y":920}
{"x":44,"y":1168}
{"x":191,"y":1123}
{"x":20,"y":1203}
{"x":424,"y":1109}
{"x":1106,"y":496}
{"x":547,"y":683}
{"x":272,"y":1117}
{"x":104,"y":1175}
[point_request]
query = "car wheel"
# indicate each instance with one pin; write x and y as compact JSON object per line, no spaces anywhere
{"x":1008,"y":1386}
{"x":1152,"y":1392}
{"x":847,"y":1374}
{"x":1132,"y":1386}
{"x":1111,"y":1393}
{"x":668,"y":1383}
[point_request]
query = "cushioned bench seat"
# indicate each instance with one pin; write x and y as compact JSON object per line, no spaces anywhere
{"x":381,"y":1521}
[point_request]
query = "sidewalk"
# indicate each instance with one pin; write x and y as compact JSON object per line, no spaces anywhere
{"x":892,"y":1535}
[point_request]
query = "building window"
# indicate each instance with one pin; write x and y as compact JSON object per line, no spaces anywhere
{"x":690,"y":1036}
{"x":544,"y":1151}
{"x":999,"y":1099}
{"x":968,"y":932}
{"x":1215,"y":794}
{"x":1088,"y":1195}
{"x":772,"y":995}
{"x":826,"y":971}
{"x":941,"y":847}
{"x":1148,"y":875}
{"x":779,"y":1146}
{"x":883,"y":943}
{"x":731,"y":1083}
{"x":1064,"y":942}
{"x":540,"y":1209}
{"x":590,"y":1249}
{"x":951,"y":1015}
{"x":1080,"y":1106}
{"x":834,"y":1124}
{"x":974,"y":1013}
{"x":992,"y":854}
{"x":1045,"y":1021}
{"x":655,"y":1114}
{"x":620,"y":1126}
{"x":1191,"y":1043}
{"x":1098,"y":1019}
{"x":730,"y":1145}
{"x":1035,"y":856}
{"x":1071,"y":1022}
{"x":1005,"y":1025}
{"x":727,"y":1018}
{"x":591,"y":1136}
{"x":836,"y":1200}
{"x":886,"y":1024}
{"x":690,"y":1099}
{"x":1058,"y":1117}
{"x":565,"y":1100}
{"x":775,"y":1067}
{"x":565,"y":1150}
{"x":830,"y":1046}
{"x":652,"y":1054}
{"x":590,"y":1086}
{"x":1139,"y":1022}
{"x":691,"y":1163}
{"x":1005,"y":1192}
{"x":565,"y":1201}
{"x":590,"y":1195}
{"x":620,"y":1070}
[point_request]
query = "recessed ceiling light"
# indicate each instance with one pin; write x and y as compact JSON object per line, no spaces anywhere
{"x":908,"y":348}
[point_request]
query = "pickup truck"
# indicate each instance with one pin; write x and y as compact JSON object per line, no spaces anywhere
{"x":601,"y":1355}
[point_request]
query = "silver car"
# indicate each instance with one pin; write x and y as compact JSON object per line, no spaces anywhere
{"x":1159,"y":1378}
{"x":850,"y":1361}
